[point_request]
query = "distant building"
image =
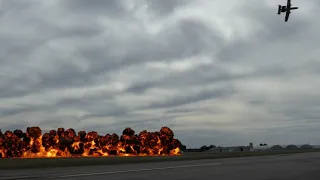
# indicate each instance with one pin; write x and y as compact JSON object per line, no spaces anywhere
{"x":306,"y":146}
{"x":292,"y":146}
{"x":276,"y":147}
{"x":215,"y":149}
{"x":243,"y":149}
{"x":316,"y":146}
{"x":285,"y":147}
{"x":261,"y":147}
{"x":230,"y":149}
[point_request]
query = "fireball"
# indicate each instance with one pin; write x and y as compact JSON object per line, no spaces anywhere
{"x":67,"y":143}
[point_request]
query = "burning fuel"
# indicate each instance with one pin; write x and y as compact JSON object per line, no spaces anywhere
{"x":68,"y":143}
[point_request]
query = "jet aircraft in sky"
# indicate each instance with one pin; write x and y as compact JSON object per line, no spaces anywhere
{"x":287,"y":9}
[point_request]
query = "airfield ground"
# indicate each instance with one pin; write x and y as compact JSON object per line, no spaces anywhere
{"x":291,"y":166}
{"x":17,"y":163}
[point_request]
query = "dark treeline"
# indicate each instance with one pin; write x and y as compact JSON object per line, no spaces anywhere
{"x":201,"y":149}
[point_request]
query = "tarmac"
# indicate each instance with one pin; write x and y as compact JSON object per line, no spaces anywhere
{"x":304,"y":166}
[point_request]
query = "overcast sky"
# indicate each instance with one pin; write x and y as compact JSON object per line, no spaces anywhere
{"x":216,"y":72}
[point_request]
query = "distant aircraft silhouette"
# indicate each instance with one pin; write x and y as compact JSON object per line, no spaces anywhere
{"x":287,"y":9}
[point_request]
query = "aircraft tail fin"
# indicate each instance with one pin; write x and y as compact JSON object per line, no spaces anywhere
{"x":279,"y":9}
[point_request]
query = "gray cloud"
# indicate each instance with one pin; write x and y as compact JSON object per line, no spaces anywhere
{"x":165,"y":8}
{"x":224,"y":76}
{"x":187,"y":99}
{"x":110,"y":8}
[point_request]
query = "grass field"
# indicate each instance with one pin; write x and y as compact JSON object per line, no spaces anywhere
{"x":16,"y":163}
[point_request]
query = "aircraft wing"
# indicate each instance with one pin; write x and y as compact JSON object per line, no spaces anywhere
{"x":288,"y":3}
{"x":287,"y":15}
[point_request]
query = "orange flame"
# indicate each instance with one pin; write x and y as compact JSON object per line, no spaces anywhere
{"x":66,"y":143}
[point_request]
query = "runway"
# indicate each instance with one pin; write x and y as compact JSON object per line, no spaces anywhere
{"x":279,"y":167}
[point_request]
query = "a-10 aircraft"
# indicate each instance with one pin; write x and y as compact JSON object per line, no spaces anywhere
{"x":287,"y":9}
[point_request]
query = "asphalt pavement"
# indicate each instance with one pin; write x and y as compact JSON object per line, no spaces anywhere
{"x":305,"y":166}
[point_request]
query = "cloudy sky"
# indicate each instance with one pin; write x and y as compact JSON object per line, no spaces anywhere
{"x":216,"y":72}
